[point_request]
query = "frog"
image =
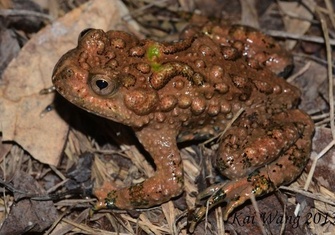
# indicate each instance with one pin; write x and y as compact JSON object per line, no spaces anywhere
{"x":217,"y":80}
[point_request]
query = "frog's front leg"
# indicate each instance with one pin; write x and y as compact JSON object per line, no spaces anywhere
{"x":259,"y":160}
{"x":167,"y":181}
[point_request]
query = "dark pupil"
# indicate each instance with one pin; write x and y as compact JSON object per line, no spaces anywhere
{"x":102,"y":84}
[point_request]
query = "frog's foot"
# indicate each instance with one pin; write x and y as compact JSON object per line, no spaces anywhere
{"x":231,"y":195}
{"x":151,"y":192}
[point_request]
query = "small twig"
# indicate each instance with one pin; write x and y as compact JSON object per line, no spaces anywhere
{"x":258,"y":215}
{"x":10,"y":187}
{"x":314,"y":161}
{"x":239,"y":112}
{"x":330,"y":10}
{"x":141,"y":10}
{"x":9,"y":12}
{"x":60,"y":174}
{"x":299,"y":73}
{"x":312,"y":57}
{"x":314,"y":196}
{"x":51,"y":196}
{"x":307,"y":38}
{"x":55,"y":223}
{"x":40,"y":197}
{"x":320,"y":116}
{"x":219,"y":220}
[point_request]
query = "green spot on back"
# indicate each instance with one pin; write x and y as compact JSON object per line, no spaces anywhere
{"x":153,"y":53}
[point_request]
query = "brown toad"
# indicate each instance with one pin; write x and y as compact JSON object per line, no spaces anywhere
{"x":191,"y":89}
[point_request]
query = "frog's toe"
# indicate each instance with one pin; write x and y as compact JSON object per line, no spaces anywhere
{"x":219,"y":196}
{"x":99,"y":206}
{"x":231,"y":195}
{"x":209,"y":191}
{"x":105,"y":203}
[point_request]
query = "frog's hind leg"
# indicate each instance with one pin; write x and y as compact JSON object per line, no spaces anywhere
{"x":285,"y":166}
{"x":234,"y":193}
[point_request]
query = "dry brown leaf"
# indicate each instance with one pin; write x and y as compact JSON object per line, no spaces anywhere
{"x":28,"y":215}
{"x":325,"y":165}
{"x":298,"y":18}
{"x":249,"y":13}
{"x":21,"y":105}
{"x":310,"y":83}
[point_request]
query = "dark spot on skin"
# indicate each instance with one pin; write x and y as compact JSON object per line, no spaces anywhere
{"x":236,"y":198}
{"x":180,"y":180}
{"x":219,"y":195}
{"x":111,"y":199}
{"x":279,"y":165}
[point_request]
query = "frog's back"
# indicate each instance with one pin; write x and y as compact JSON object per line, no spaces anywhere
{"x":200,"y":81}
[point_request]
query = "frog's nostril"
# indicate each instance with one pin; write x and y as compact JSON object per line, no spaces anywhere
{"x":68,"y":73}
{"x":83,"y":33}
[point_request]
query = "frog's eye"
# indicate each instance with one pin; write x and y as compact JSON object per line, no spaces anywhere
{"x":83,"y":33}
{"x":104,"y":85}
